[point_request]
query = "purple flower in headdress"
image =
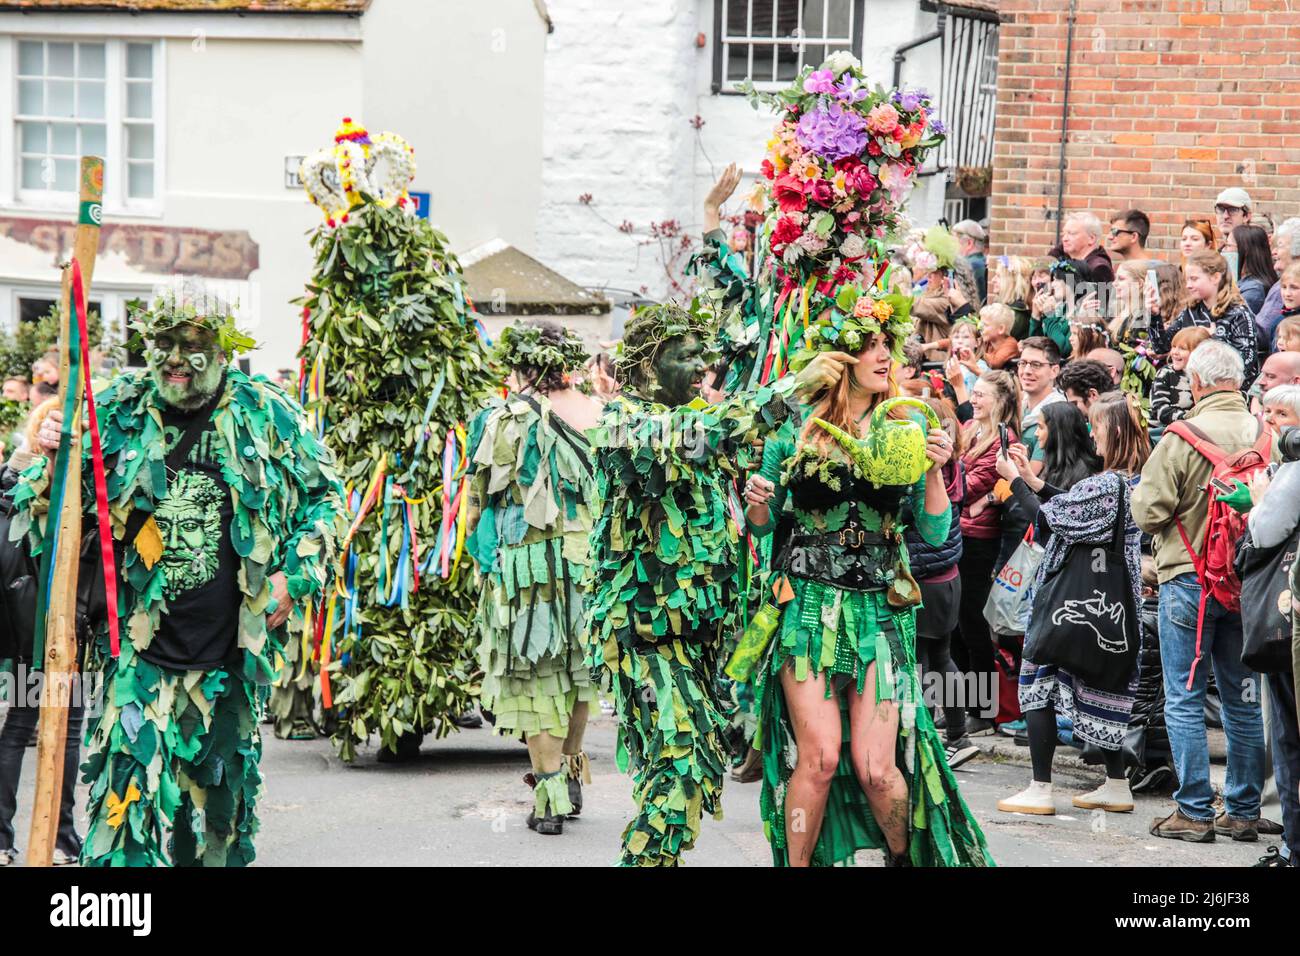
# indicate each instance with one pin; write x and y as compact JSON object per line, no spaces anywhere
{"x":937,"y":127}
{"x":909,"y":100}
{"x":833,"y":132}
{"x":848,"y":91}
{"x":819,"y":81}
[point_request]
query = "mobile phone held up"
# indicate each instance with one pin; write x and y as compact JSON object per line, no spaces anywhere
{"x":1222,"y":486}
{"x":1004,"y":439}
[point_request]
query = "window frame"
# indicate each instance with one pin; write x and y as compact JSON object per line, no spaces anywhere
{"x":724,"y":87}
{"x":14,"y":199}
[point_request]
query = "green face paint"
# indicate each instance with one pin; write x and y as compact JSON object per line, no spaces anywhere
{"x":187,"y":364}
{"x":679,"y":370}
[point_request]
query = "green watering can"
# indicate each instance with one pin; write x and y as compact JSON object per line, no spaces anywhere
{"x":893,"y":453}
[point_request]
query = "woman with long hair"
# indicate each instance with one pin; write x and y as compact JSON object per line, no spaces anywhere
{"x":995,"y":401}
{"x":1255,"y":271}
{"x":1087,"y":334}
{"x":1128,"y":311}
{"x":1069,"y":454}
{"x":531,"y":493}
{"x":842,"y":659}
{"x":1213,"y":302}
{"x":1164,"y":291}
{"x":1085,"y":513}
{"x":1011,"y":284}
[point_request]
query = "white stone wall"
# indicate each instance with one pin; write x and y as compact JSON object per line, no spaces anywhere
{"x":623,"y":81}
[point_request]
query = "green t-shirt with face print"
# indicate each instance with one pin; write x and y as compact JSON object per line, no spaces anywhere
{"x":197,"y":631}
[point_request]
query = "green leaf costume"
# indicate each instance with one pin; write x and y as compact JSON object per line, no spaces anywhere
{"x":390,"y":330}
{"x":739,"y":308}
{"x":178,"y":750}
{"x":531,"y":489}
{"x":666,"y":593}
{"x":853,"y":608}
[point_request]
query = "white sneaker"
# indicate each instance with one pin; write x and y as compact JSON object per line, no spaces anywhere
{"x":1113,"y":795}
{"x":7,"y":857}
{"x":1035,"y":798}
{"x":64,"y":859}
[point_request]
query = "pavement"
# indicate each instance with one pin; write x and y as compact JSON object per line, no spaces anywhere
{"x":462,"y":803}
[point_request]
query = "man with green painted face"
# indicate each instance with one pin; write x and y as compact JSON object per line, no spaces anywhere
{"x":667,"y":586}
{"x":225,"y":514}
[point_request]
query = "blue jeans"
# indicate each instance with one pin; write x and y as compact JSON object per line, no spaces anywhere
{"x":1239,"y":688}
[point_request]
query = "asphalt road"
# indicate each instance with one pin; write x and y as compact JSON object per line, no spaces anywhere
{"x":463,"y":803}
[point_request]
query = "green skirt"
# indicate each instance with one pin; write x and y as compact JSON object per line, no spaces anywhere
{"x":534,"y":649}
{"x":831,"y":631}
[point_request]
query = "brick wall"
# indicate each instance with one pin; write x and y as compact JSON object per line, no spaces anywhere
{"x":1170,"y":102}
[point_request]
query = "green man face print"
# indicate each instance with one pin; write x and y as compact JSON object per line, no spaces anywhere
{"x":189,"y":519}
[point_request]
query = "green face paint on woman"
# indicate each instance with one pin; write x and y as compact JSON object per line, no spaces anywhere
{"x":187,"y":364}
{"x":679,"y":371}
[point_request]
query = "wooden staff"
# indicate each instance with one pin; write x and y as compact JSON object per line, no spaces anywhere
{"x":61,"y":625}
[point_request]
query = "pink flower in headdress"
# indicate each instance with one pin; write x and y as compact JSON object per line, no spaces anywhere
{"x":895,"y":177}
{"x":882,"y":119}
{"x":819,"y":81}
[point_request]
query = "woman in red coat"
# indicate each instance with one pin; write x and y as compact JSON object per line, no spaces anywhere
{"x":995,"y":400}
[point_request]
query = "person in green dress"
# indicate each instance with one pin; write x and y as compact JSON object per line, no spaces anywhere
{"x":842,"y":664}
{"x":532,"y":487}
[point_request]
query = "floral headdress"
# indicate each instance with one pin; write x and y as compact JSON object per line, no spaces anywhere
{"x":529,"y":347}
{"x":647,"y":331}
{"x":189,"y":301}
{"x":358,"y":169}
{"x":853,"y":316}
{"x":839,"y":165}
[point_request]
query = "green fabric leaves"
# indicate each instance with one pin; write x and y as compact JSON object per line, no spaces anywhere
{"x":287,"y":501}
{"x":388,"y":322}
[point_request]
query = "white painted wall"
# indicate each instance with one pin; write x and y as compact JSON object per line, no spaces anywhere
{"x":462,"y":82}
{"x":235,"y":110}
{"x":623,"y":82}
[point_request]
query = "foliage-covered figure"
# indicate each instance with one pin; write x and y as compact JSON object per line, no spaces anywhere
{"x":227,"y":514}
{"x":665,"y":564}
{"x":399,"y":367}
{"x":532,"y":489}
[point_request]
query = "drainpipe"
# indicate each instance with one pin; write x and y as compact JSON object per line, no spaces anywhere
{"x":1065,"y":118}
{"x":899,"y":58}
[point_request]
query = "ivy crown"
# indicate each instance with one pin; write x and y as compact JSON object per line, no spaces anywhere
{"x":540,"y":349}
{"x":649,"y":329}
{"x":188,"y":302}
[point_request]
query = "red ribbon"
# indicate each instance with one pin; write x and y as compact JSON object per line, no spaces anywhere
{"x":97,"y":463}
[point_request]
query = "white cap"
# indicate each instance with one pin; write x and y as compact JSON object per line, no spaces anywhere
{"x":1236,"y":197}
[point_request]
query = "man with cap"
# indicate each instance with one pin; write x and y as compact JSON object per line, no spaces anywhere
{"x":1232,"y":209}
{"x":971,"y":238}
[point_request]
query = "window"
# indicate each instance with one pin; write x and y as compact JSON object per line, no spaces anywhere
{"x":769,"y":41}
{"x":76,"y":98}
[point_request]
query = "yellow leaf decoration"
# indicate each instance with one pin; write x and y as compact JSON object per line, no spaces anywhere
{"x":149,"y":543}
{"x":117,"y":806}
